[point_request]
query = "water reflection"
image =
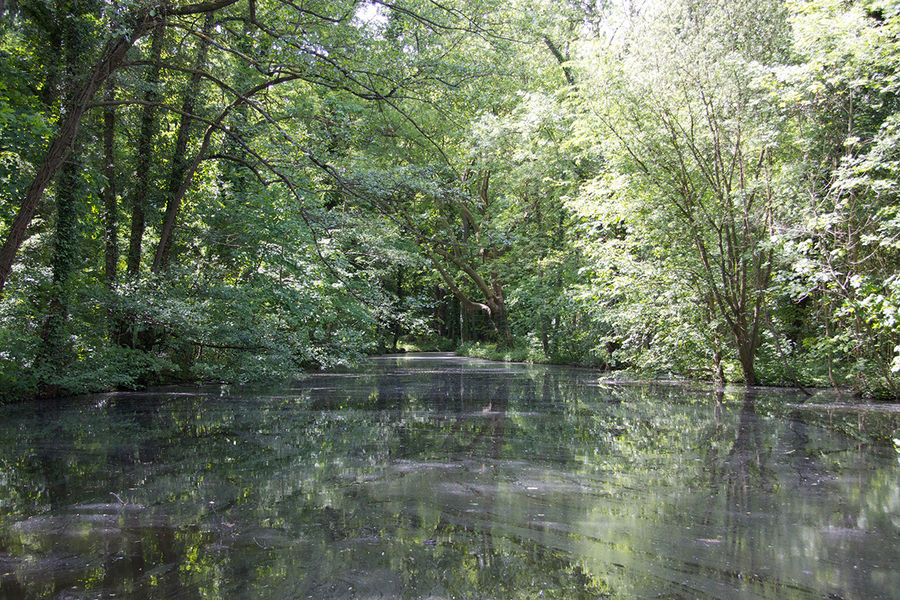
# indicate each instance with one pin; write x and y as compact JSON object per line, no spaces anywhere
{"x":430,"y":476}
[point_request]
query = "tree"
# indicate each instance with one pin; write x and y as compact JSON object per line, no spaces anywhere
{"x":132,"y":28}
{"x":682,"y":123}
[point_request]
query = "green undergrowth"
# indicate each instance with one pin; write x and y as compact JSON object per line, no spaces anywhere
{"x":425,"y":343}
{"x":493,"y":352}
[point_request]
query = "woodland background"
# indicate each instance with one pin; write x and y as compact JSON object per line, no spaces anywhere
{"x":236,"y":190}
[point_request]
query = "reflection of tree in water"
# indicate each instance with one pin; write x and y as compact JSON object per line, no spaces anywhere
{"x":425,"y":544}
{"x":78,"y":533}
{"x":812,"y":481}
{"x":479,"y":432}
{"x":468,"y":557}
{"x":742,"y":471}
{"x":796,"y":441}
{"x":746,"y":474}
{"x":288,"y":509}
{"x":740,"y":498}
{"x":748,"y":492}
{"x":371,"y":483}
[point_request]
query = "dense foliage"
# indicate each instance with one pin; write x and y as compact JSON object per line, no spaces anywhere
{"x":238,"y":189}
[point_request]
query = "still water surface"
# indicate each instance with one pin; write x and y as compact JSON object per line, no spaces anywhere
{"x":430,"y":476}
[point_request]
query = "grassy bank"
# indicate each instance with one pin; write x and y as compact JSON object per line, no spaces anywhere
{"x":492,"y":352}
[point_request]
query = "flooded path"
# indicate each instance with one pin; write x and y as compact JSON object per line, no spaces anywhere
{"x":431,"y":476}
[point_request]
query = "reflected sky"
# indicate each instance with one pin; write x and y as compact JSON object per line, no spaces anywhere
{"x":431,"y":476}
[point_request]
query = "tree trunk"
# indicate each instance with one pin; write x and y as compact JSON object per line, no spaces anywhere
{"x":453,"y":319}
{"x":179,"y":160}
{"x":746,"y":347}
{"x":56,"y":351}
{"x":395,"y":326}
{"x":465,"y":320}
{"x":498,"y":313}
{"x":63,"y":260}
{"x":561,"y":59}
{"x":110,"y":202}
{"x":144,"y":157}
{"x":718,"y":367}
{"x":501,"y":323}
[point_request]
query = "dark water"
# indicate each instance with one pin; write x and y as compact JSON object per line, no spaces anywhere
{"x":436,"y":477}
